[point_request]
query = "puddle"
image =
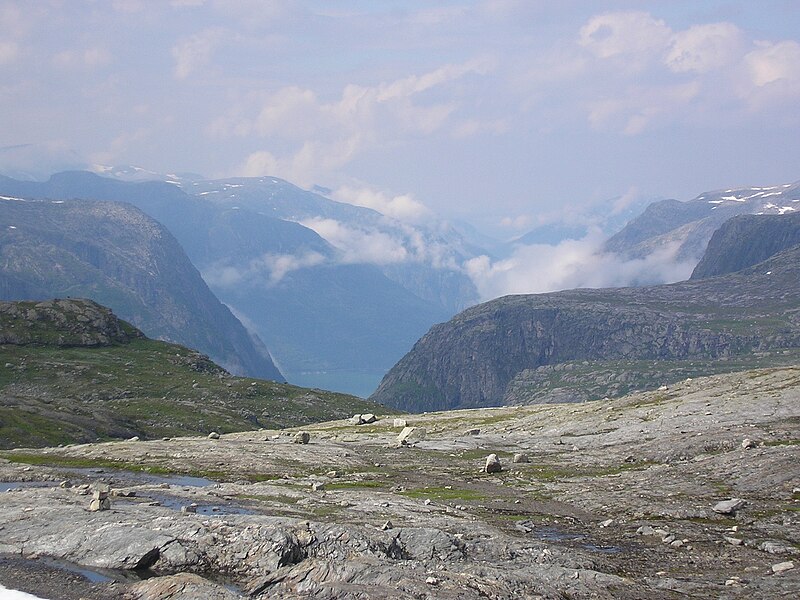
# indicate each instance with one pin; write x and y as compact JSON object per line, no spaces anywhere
{"x":553,"y":534}
{"x":139,"y":477}
{"x":6,"y":486}
{"x":175,"y":503}
{"x":96,"y":574}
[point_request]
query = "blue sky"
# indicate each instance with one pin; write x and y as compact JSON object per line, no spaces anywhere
{"x":504,"y":112}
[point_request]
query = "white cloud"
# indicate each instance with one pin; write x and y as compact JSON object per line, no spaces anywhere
{"x":193,"y":53}
{"x":360,"y":245}
{"x":774,"y":62}
{"x":702,"y":48}
{"x":571,"y":264}
{"x":268,"y":269}
{"x":323,"y":136}
{"x":403,"y":207}
{"x":632,"y":34}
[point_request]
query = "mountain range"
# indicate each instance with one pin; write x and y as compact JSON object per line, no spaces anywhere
{"x":117,"y":255}
{"x":585,"y":344}
{"x":330,"y":316}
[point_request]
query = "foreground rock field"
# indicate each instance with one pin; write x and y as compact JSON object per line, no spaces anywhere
{"x":616,"y":500}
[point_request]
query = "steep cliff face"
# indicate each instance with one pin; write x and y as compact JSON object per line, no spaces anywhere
{"x":747,"y":240}
{"x":489,"y":354}
{"x":118,"y":256}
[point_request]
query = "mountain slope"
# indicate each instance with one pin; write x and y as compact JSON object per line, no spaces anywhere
{"x":73,"y":372}
{"x":747,"y":240}
{"x":582,"y":344}
{"x":688,"y":226}
{"x":118,"y":256}
{"x":279,"y":276}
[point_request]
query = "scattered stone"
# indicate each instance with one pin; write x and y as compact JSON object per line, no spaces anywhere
{"x":748,"y":443}
{"x":124,"y":493}
{"x":734,"y":541}
{"x":301,"y":437}
{"x":134,"y":439}
{"x":189,"y":509}
{"x":386,"y":526}
{"x":668,"y":539}
{"x":317,"y":486}
{"x":775,"y":548}
{"x":399,"y":423}
{"x":493,"y":464}
{"x":607,"y":523}
{"x":663,"y":388}
{"x":356,"y":419}
{"x":333,"y":474}
{"x":784,"y":566}
{"x":100,"y":500}
{"x":65,"y":484}
{"x":473,"y":431}
{"x":630,"y":459}
{"x":729,"y":507}
{"x":213,"y":435}
{"x":411,"y":435}
{"x":520,"y":457}
{"x":646,"y":530}
{"x":676,"y":543}
{"x":432,"y":581}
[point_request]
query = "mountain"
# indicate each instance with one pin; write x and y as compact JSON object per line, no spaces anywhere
{"x":335,"y":313}
{"x":74,"y":372}
{"x":117,"y":255}
{"x":584,"y":344}
{"x":747,"y":240}
{"x":688,"y":226}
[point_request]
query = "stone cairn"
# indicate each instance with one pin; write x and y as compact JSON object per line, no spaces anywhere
{"x":100,"y":499}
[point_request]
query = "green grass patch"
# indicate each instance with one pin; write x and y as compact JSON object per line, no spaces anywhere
{"x":444,"y":493}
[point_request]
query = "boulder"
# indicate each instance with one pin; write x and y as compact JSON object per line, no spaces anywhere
{"x":493,"y":464}
{"x":729,"y":507}
{"x":400,"y":423}
{"x":301,"y":437}
{"x":411,"y":435}
{"x":356,"y":420}
{"x":213,"y":435}
{"x":520,"y":457}
{"x":368,"y":418}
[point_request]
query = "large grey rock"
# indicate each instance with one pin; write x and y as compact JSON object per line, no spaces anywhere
{"x":493,"y":464}
{"x":729,"y":507}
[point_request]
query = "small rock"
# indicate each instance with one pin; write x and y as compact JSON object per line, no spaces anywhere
{"x":386,"y":526}
{"x":301,"y":437}
{"x":473,"y":431}
{"x":190,"y":508}
{"x":333,"y":474}
{"x":65,"y":484}
{"x":646,"y":530}
{"x":734,"y":541}
{"x":411,"y":435}
{"x":368,"y":418}
{"x":399,"y":423}
{"x":607,"y":523}
{"x":134,"y":439}
{"x":784,"y":566}
{"x":213,"y":435}
{"x":520,"y":457}
{"x":729,"y":507}
{"x":317,"y":486}
{"x":432,"y":581}
{"x":663,"y":388}
{"x":493,"y":464}
{"x":668,"y":539}
{"x":356,"y":420}
{"x":676,"y":544}
{"x":774,"y":548}
{"x":630,"y":459}
{"x":748,"y":443}
{"x":427,"y":502}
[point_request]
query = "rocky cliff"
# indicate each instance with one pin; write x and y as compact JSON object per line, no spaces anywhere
{"x":747,"y":240}
{"x":120,"y":257}
{"x":583,"y":344}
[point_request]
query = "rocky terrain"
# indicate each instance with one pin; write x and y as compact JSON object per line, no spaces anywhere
{"x":120,"y":257}
{"x":582,"y":344}
{"x":686,"y":491}
{"x":71,"y":371}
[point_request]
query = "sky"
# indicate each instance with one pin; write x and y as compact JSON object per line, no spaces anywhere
{"x":505,"y":113}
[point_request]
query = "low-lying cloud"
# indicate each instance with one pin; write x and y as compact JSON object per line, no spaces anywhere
{"x":267,"y":270}
{"x":541,"y":268}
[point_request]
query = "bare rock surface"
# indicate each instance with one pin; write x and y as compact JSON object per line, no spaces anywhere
{"x":617,"y":501}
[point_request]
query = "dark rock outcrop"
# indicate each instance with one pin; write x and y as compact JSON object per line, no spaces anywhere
{"x":747,"y":240}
